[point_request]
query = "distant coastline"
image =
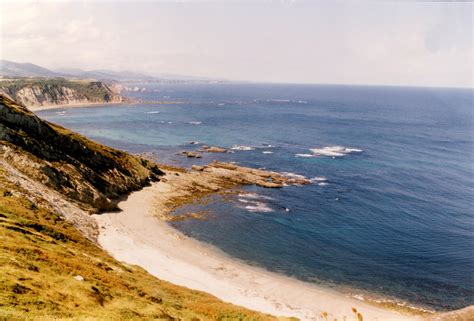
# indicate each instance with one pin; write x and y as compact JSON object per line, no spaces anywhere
{"x":96,"y":104}
{"x":73,"y":105}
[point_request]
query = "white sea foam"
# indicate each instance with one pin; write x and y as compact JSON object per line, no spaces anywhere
{"x":195,"y":122}
{"x":322,"y":184}
{"x":259,"y":207}
{"x":334,"y":151}
{"x":358,"y":297}
{"x":267,"y":152}
{"x":293,"y":175}
{"x":152,"y":112}
{"x":279,"y":100}
{"x":242,"y":147}
{"x":254,"y":196}
{"x":253,"y":202}
{"x":249,"y":195}
{"x":304,"y":155}
{"x":318,"y":179}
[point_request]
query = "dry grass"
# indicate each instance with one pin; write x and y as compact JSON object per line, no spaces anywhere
{"x":40,"y":256}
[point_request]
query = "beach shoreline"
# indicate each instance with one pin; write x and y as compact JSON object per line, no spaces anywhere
{"x":98,"y":104}
{"x":75,"y":105}
{"x":140,"y":235}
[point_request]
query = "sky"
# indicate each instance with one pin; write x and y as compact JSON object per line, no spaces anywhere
{"x":287,"y":41}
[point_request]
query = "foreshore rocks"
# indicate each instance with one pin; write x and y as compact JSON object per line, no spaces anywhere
{"x":204,"y":149}
{"x":213,"y":149}
{"x":191,"y":154}
{"x":181,"y":186}
{"x":249,"y":176}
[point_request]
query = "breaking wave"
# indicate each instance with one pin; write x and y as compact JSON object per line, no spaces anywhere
{"x":331,"y":151}
{"x":254,"y":203}
{"x":304,"y":155}
{"x":259,"y":207}
{"x":336,"y":151}
{"x":254,"y":196}
{"x":242,"y":147}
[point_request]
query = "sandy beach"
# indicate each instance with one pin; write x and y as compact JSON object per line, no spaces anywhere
{"x":72,"y":105}
{"x":85,"y":105}
{"x":137,"y":236}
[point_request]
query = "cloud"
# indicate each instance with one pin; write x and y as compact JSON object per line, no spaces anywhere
{"x":281,"y":41}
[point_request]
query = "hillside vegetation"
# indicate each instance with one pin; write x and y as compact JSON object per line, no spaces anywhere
{"x":50,"y":270}
{"x":50,"y":179}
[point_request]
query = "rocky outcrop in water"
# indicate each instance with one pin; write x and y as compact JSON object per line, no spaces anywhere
{"x":213,"y":149}
{"x":248,"y":176}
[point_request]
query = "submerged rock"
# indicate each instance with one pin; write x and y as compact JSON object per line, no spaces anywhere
{"x":268,"y":184}
{"x":214,"y":149}
{"x":191,"y":154}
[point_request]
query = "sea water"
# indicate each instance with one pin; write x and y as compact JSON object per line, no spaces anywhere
{"x":389,"y":212}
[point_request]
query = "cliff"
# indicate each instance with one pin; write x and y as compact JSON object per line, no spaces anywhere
{"x":89,"y":173}
{"x":50,"y":265}
{"x":36,"y":92}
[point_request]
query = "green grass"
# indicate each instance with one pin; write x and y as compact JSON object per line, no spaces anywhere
{"x":40,"y":254}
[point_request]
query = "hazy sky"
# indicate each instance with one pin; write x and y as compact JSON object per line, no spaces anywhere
{"x":352,"y":42}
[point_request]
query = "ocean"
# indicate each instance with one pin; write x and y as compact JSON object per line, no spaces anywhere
{"x":389,"y":214}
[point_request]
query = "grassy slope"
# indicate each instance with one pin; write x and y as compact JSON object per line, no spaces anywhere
{"x":40,"y":254}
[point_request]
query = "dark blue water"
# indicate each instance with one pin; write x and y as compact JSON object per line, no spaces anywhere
{"x":395,"y":219}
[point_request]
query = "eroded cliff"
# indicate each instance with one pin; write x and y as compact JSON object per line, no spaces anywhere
{"x":36,"y":92}
{"x":89,"y":173}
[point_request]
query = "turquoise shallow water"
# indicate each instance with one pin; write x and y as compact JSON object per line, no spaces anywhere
{"x":391,"y":210}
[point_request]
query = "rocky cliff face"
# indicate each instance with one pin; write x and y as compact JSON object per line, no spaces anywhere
{"x":50,"y":92}
{"x":91,"y":174}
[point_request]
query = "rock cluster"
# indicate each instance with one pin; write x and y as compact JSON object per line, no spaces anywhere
{"x":247,"y":176}
{"x":191,"y":154}
{"x":213,"y":149}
